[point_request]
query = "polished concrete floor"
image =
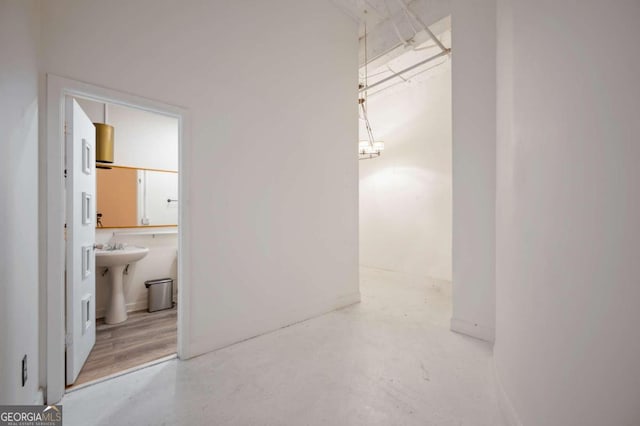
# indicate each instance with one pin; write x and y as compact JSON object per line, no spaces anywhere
{"x":390,"y":360}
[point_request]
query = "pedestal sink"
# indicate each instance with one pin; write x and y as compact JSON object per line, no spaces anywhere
{"x":116,"y":260}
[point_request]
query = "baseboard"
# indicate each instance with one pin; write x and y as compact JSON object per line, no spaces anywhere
{"x":440,"y":283}
{"x":136,"y":306}
{"x":340,"y":302}
{"x":131,"y":307}
{"x":410,"y":274}
{"x":473,"y":329}
{"x":509,"y":413}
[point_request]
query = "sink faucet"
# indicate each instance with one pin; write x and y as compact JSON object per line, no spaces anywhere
{"x":114,"y":246}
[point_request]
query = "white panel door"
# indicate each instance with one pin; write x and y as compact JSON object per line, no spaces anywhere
{"x":80,"y":140}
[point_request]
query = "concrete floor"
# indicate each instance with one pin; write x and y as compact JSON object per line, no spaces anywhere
{"x":390,"y":360}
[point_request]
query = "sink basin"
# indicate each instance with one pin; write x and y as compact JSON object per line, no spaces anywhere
{"x":116,"y":260}
{"x":124,"y":256}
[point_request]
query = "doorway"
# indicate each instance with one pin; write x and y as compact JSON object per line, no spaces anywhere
{"x":405,"y":192}
{"x":155,"y":230}
{"x":132,"y":279}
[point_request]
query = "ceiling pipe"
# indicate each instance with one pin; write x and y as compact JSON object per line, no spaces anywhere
{"x":399,"y":73}
{"x":405,"y":79}
{"x":424,"y":26}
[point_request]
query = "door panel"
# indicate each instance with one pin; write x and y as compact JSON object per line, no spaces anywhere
{"x":80,"y":138}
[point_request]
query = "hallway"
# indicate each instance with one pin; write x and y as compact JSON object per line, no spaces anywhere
{"x":390,"y":360}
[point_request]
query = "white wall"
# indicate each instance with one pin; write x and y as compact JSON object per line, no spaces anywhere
{"x":405,"y":194}
{"x":19,"y":33}
{"x":143,"y":139}
{"x":474,"y":133}
{"x":270,"y":154}
{"x":94,"y":110}
{"x":567,"y":346}
{"x":155,"y":188}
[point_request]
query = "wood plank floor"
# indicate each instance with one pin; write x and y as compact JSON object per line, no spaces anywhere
{"x":142,"y":338}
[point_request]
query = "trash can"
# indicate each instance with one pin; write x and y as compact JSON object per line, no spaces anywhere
{"x":160,"y":294}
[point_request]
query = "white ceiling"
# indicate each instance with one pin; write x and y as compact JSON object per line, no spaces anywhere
{"x":373,"y":12}
{"x":397,"y":40}
{"x":388,"y":26}
{"x":378,"y":12}
{"x":404,"y":57}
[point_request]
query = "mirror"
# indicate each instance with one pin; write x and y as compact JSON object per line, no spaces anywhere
{"x":129,"y":197}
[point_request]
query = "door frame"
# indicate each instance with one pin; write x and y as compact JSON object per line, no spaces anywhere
{"x":52,"y":211}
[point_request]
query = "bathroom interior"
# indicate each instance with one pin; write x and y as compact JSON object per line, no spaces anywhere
{"x":136,"y":239}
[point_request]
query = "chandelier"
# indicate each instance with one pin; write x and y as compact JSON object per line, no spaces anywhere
{"x":368,"y":147}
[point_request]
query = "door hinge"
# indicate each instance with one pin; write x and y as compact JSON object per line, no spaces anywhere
{"x":65,"y":128}
{"x":65,"y":173}
{"x":68,"y":340}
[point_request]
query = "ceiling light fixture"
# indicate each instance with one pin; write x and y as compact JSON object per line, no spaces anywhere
{"x":104,"y":143}
{"x":367,"y":147}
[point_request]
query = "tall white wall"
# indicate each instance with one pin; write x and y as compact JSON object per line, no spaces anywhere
{"x":568,"y":238}
{"x":19,"y":313}
{"x":270,"y":154}
{"x":474,"y":139}
{"x":405,"y":194}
